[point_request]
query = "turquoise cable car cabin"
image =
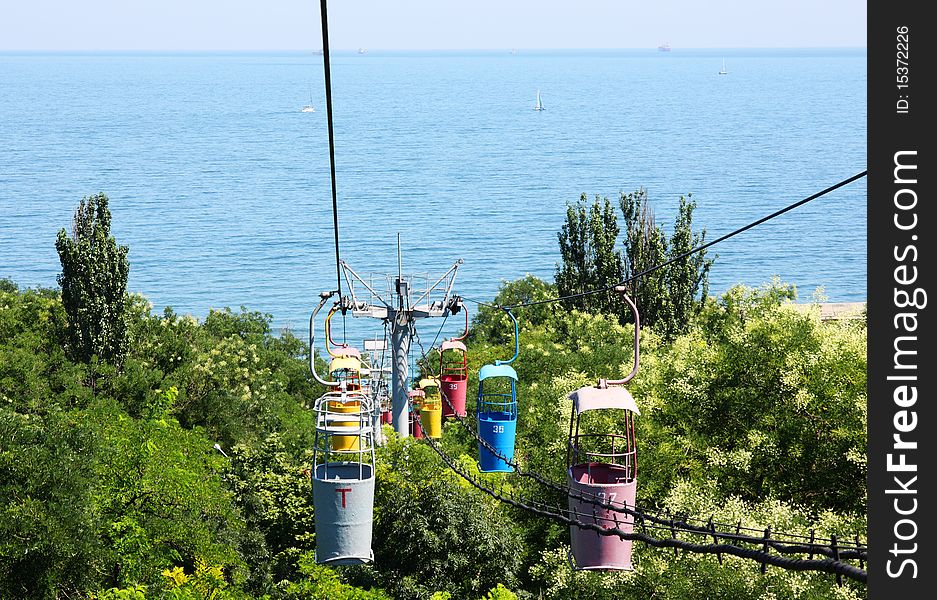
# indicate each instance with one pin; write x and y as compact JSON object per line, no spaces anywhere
{"x":497,"y":417}
{"x":496,"y":412}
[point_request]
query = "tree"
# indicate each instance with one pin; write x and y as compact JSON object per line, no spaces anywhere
{"x":687,"y":278}
{"x":432,"y":532}
{"x":645,"y":247}
{"x":274,"y":496}
{"x":590,"y":261}
{"x":572,"y":277}
{"x":159,"y":499}
{"x":765,"y":401}
{"x":319,"y":582}
{"x":94,"y":284}
{"x":493,"y":325}
{"x":669,"y":297}
{"x":46,"y":506}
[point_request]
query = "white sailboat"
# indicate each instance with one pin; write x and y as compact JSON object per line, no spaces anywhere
{"x":539,"y":105}
{"x":309,"y":107}
{"x":723,"y":71}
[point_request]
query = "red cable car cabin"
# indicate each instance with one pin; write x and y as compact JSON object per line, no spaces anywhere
{"x":453,"y":377}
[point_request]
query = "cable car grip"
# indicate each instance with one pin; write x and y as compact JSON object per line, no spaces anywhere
{"x":517,"y":342}
{"x":604,"y":383}
{"x":323,"y":298}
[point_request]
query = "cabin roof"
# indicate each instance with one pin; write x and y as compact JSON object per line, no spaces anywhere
{"x":593,"y":398}
{"x":497,"y":371}
{"x":452,"y":345}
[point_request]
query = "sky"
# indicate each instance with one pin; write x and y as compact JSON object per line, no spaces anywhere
{"x":231,"y":25}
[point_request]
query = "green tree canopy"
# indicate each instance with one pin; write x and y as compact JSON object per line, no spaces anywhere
{"x":94,"y":284}
{"x":590,"y":260}
{"x":667,"y":298}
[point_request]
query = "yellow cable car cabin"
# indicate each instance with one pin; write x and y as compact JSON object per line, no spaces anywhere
{"x":346,"y":369}
{"x":431,"y":408}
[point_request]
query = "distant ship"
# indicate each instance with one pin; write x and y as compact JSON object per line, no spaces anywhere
{"x":665,"y":47}
{"x":362,"y":50}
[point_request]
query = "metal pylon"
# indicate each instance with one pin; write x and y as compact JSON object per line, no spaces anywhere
{"x":399,"y":301}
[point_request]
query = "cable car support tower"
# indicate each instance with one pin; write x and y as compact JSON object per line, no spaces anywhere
{"x":400,"y":301}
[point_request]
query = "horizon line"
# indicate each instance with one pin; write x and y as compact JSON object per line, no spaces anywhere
{"x":317,"y":51}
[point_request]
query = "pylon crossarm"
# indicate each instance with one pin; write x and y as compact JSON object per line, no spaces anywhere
{"x":450,"y":274}
{"x":358,"y":303}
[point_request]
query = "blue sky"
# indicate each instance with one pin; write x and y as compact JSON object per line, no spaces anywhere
{"x":427,"y":24}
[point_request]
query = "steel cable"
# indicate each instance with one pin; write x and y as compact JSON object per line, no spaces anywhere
{"x":828,"y":565}
{"x":683,"y":255}
{"x":845,"y":551}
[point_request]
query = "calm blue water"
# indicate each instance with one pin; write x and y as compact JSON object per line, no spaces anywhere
{"x":220,"y":185}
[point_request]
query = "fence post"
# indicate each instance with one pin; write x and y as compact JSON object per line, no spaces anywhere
{"x":712,"y":528}
{"x":764,"y":565}
{"x":839,"y":576}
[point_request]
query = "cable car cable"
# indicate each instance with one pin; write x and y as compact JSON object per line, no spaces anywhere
{"x":683,"y":255}
{"x":828,"y":565}
{"x":846,"y":569}
{"x":328,"y":113}
{"x":432,"y":346}
{"x":634,"y":510}
{"x":672,"y":525}
{"x":797,"y":564}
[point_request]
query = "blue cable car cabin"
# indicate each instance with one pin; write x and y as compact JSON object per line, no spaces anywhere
{"x":496,"y":411}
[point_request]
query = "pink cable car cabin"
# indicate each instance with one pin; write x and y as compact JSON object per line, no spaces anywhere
{"x":453,"y":369}
{"x":416,"y":403}
{"x":602,"y":466}
{"x":387,"y":415}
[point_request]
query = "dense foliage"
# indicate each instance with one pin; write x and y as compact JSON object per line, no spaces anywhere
{"x":756,"y":415}
{"x":589,"y":258}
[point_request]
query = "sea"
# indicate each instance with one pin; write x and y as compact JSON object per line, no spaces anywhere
{"x":221,"y":186}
